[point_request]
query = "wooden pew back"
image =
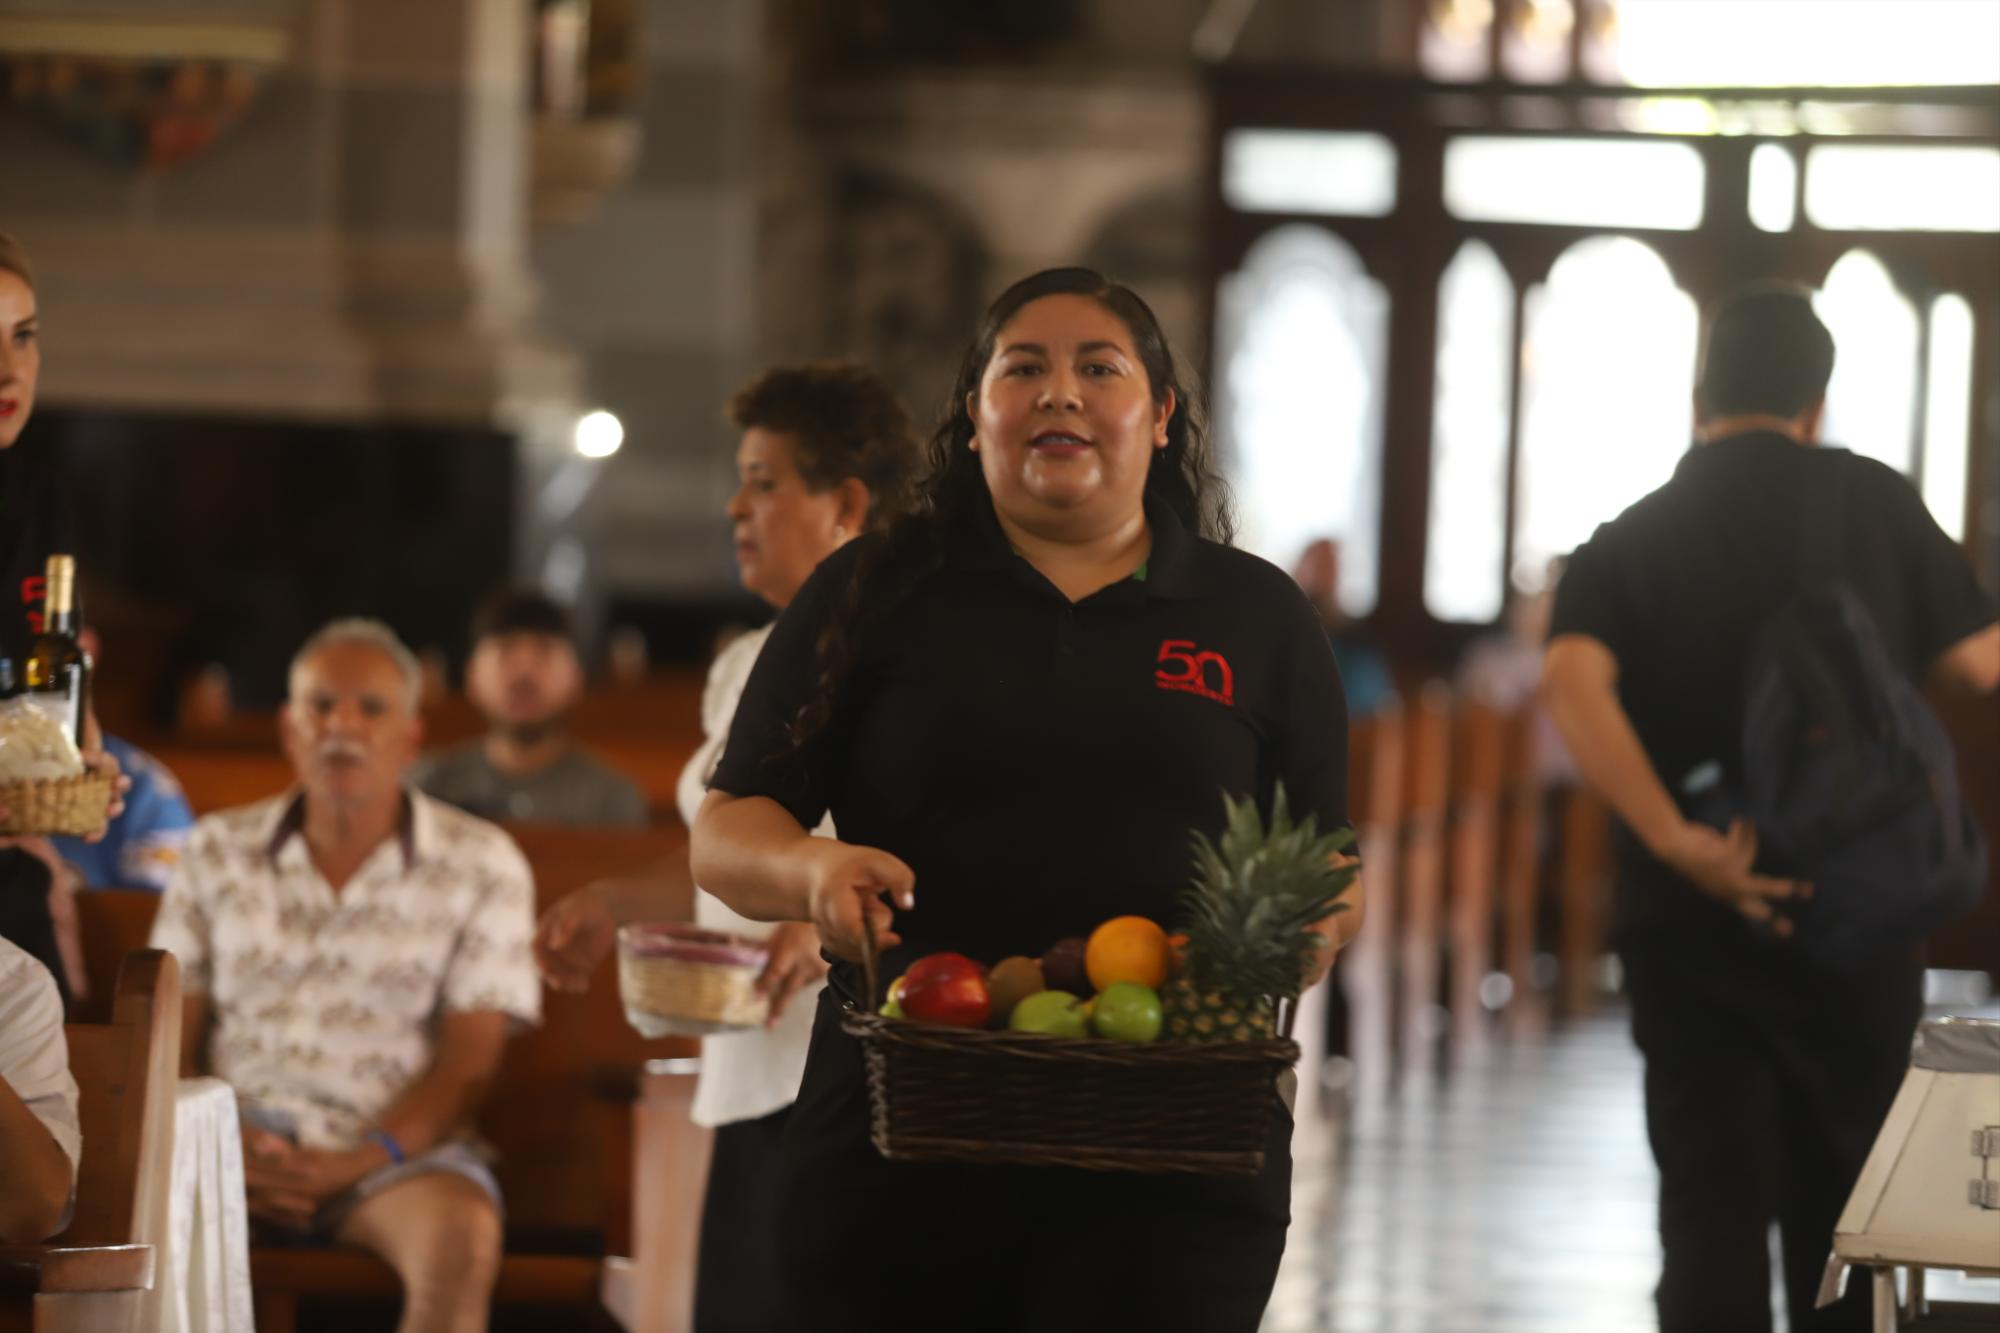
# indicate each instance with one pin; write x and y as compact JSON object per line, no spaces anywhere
{"x":127,"y":1071}
{"x":102,"y":1273}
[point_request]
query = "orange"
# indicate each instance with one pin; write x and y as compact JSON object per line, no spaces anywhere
{"x":1126,"y":948}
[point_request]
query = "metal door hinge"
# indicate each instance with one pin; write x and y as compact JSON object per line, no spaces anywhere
{"x":1985,"y":1192}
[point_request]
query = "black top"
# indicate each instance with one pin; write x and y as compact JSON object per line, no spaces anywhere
{"x":1040,"y":764}
{"x":1678,"y":584}
{"x":35,"y":523}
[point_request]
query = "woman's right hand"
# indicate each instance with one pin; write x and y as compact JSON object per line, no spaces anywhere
{"x":845,"y":886}
{"x":573,"y":937}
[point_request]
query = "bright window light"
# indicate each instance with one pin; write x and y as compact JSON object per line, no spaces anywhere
{"x":1890,"y":187}
{"x":1948,"y":414}
{"x":1302,"y":342}
{"x":1606,"y":411}
{"x":1871,"y":402}
{"x":1575,"y":182}
{"x":599,"y":434}
{"x":1309,"y":171}
{"x":1465,"y":557}
{"x":1803,"y":44}
{"x":1774,"y":187}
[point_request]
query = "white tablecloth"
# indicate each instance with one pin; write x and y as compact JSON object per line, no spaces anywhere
{"x":205,"y":1273}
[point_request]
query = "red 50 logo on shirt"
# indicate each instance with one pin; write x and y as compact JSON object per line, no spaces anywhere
{"x":1183,"y":667}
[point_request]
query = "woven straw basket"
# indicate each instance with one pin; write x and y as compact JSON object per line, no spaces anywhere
{"x":943,"y":1094}
{"x":683,"y":981}
{"x":72,"y":807}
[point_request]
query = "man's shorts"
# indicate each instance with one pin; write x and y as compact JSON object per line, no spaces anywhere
{"x":456,"y":1157}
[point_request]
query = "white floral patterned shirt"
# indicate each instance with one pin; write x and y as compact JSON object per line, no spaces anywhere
{"x":326,"y":1005}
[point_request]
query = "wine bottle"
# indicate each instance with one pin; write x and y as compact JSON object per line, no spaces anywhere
{"x":57,"y":671}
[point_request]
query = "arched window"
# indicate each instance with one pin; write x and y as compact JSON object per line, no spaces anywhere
{"x":1303,"y":332}
{"x":1948,"y":413}
{"x":1871,"y":404}
{"x":1465,"y":564}
{"x":1606,"y":382}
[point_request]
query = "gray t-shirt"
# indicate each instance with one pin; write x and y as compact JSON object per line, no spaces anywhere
{"x":576,"y":789}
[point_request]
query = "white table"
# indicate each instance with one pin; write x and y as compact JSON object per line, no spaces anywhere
{"x":204,"y":1275}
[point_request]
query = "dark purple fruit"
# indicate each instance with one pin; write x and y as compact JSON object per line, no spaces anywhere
{"x":1063,"y":967}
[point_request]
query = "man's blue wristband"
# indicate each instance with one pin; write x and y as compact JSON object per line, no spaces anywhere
{"x":387,"y":1142}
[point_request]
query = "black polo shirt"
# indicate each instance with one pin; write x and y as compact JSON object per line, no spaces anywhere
{"x":1678,"y":585}
{"x":1040,"y":764}
{"x":35,"y":523}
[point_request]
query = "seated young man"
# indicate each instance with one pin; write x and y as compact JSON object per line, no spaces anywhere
{"x":354,"y":954}
{"x":524,"y":678}
{"x":39,"y":1136}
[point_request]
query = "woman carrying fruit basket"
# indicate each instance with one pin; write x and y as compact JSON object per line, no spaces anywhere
{"x":1017,"y":704}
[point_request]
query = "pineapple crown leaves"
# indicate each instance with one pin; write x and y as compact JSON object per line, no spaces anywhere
{"x":1257,"y":892}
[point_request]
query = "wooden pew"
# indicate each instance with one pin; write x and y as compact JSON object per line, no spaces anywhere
{"x":217,"y":777}
{"x":1476,"y":779}
{"x":1367,"y":967}
{"x":1522,"y":801}
{"x":100,"y":1274}
{"x":559,"y":1113}
{"x":1426,"y":800}
{"x":1583,"y":886}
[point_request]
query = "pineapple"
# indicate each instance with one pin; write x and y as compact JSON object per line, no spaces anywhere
{"x":1256,"y":894}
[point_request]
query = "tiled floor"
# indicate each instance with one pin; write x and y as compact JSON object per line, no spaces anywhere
{"x":1516,"y":1196}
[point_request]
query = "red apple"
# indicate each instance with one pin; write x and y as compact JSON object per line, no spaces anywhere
{"x":947,"y":988}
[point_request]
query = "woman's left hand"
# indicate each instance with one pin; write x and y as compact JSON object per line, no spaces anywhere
{"x":1336,"y":930}
{"x":795,"y":964}
{"x":1323,"y":955}
{"x":106,"y":763}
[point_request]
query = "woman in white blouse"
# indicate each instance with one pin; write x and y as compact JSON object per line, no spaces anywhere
{"x":827,"y":453}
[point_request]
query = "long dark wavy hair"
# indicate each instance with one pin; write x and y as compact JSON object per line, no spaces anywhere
{"x":953,"y":489}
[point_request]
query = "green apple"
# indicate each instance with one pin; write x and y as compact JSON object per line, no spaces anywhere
{"x":1127,"y":1011}
{"x":1055,"y":1013}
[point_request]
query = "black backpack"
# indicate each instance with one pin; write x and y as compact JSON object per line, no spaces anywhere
{"x":1847,"y":773}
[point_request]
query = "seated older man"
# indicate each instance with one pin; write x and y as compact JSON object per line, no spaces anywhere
{"x":354,"y":954}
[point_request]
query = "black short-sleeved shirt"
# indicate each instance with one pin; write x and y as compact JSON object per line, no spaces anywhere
{"x":1040,"y":764}
{"x":1678,"y":584}
{"x":35,"y":522}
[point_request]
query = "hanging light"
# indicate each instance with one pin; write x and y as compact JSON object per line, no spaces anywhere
{"x":599,"y":434}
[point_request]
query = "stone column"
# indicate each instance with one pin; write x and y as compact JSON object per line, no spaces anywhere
{"x":352,"y":249}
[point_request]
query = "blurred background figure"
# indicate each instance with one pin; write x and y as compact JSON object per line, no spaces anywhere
{"x":143,"y":846}
{"x":1503,"y":669}
{"x":524,"y":678}
{"x":1364,"y":673}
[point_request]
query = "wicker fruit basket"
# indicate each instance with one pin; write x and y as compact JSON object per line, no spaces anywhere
{"x":68,"y":807}
{"x":944,"y":1094}
{"x":684,"y":981}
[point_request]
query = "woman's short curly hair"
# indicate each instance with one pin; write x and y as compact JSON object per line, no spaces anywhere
{"x":844,"y":421}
